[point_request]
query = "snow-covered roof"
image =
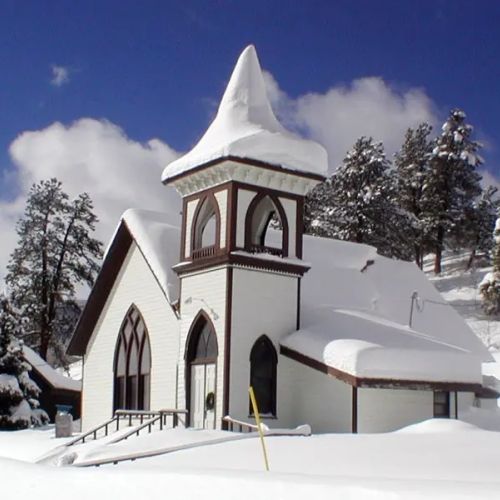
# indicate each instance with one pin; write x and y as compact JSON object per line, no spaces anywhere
{"x":246,"y":127}
{"x":55,"y":379}
{"x":356,"y":308}
{"x":158,"y":239}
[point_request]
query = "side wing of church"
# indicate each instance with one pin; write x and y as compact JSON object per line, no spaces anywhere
{"x":189,"y":317}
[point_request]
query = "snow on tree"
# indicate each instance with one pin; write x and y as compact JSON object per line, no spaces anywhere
{"x":18,"y":393}
{"x":358,"y":203}
{"x":489,"y":288}
{"x":55,"y":253}
{"x":453,"y":183}
{"x":480,"y":223}
{"x":412,"y":165}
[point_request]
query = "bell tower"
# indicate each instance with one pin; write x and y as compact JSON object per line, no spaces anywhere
{"x":243,"y":187}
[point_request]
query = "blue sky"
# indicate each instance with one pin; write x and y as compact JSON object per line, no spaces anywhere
{"x":156,"y":69}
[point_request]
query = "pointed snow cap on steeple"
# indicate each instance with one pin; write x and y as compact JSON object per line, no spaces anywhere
{"x":246,"y":127}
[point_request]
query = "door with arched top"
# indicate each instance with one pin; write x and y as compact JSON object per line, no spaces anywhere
{"x":201,"y":369}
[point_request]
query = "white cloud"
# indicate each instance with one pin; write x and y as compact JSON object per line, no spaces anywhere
{"x":93,"y":156}
{"x":60,"y":75}
{"x":368,"y":106}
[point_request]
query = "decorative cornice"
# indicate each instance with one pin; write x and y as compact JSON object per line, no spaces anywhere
{"x":246,"y":171}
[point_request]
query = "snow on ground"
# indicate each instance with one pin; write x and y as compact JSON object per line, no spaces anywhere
{"x":434,"y":459}
{"x":459,"y":287}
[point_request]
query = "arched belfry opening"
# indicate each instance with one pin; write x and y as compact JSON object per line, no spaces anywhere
{"x":263,"y":370}
{"x":265,"y":213}
{"x":201,"y":370}
{"x":206,"y":226}
{"x":132,"y":364}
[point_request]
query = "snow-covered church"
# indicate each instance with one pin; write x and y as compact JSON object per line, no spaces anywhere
{"x":328,"y":333}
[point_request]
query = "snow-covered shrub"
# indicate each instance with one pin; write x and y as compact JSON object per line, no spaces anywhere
{"x":18,"y":393}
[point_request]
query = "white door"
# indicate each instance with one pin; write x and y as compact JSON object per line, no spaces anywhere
{"x":209,"y":397}
{"x":202,"y":396}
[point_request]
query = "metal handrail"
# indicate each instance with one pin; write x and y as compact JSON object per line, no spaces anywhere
{"x":242,"y":426}
{"x":120,"y":415}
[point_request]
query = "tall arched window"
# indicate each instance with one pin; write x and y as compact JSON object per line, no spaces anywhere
{"x":132,"y":365}
{"x":261,"y":213}
{"x":263,"y":364}
{"x":205,"y":228}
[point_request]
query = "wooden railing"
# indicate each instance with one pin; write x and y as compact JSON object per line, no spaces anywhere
{"x":202,"y":253}
{"x":263,"y":249}
{"x":131,"y":417}
{"x":234,"y":425}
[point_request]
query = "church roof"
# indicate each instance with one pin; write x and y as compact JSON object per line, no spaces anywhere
{"x":356,"y":308}
{"x":246,"y":127}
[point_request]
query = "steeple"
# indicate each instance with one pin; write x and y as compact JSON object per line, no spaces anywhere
{"x":246,"y":127}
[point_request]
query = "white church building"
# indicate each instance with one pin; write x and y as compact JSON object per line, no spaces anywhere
{"x":188,"y":314}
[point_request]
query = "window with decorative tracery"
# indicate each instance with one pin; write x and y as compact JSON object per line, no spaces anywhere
{"x":132,"y":367}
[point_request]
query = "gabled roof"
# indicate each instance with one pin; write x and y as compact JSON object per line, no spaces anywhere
{"x":49,"y":374}
{"x":356,"y":308}
{"x":246,"y":127}
{"x":158,"y":241}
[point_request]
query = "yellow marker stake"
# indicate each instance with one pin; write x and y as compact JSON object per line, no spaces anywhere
{"x":257,"y":420}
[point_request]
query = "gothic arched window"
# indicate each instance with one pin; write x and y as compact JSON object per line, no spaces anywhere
{"x":132,"y":367}
{"x":205,"y":227}
{"x":265,"y":212}
{"x":263,"y":364}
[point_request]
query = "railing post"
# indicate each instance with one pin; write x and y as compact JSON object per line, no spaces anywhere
{"x":175,"y":420}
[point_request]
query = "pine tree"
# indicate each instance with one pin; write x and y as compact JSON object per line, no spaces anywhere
{"x":358,"y":203}
{"x":480,"y":223}
{"x":412,"y":165}
{"x":55,"y":253}
{"x":453,"y":183}
{"x":18,"y":393}
{"x":489,"y":288}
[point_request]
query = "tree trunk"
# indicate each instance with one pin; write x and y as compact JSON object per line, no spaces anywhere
{"x":439,"y":250}
{"x":418,"y":256}
{"x":471,"y":258}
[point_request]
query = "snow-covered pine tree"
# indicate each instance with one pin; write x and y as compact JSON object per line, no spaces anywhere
{"x":453,"y":183}
{"x":18,"y":393}
{"x":489,"y":288}
{"x":412,"y":164}
{"x":480,"y":223}
{"x":358,"y":203}
{"x":55,"y":253}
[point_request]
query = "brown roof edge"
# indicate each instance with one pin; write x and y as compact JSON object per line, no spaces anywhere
{"x":100,"y":291}
{"x":378,"y":383}
{"x":246,"y":161}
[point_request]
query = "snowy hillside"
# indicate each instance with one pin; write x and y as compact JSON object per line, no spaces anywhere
{"x":459,"y":288}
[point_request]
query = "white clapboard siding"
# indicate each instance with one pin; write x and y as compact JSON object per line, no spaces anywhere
{"x":205,"y":290}
{"x":264,"y":303}
{"x":135,"y":284}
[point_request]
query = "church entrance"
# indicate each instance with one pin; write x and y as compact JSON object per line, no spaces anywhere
{"x":201,"y":371}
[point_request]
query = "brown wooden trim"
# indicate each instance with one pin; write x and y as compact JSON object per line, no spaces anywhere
{"x":227,"y":345}
{"x":299,"y":227}
{"x":354,"y":411}
{"x":101,"y":290}
{"x":266,"y":190}
{"x":378,"y":383}
{"x":245,"y":161}
{"x":282,"y":214}
{"x":299,"y":288}
{"x":232,"y":216}
{"x":242,"y":260}
{"x":182,"y":255}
